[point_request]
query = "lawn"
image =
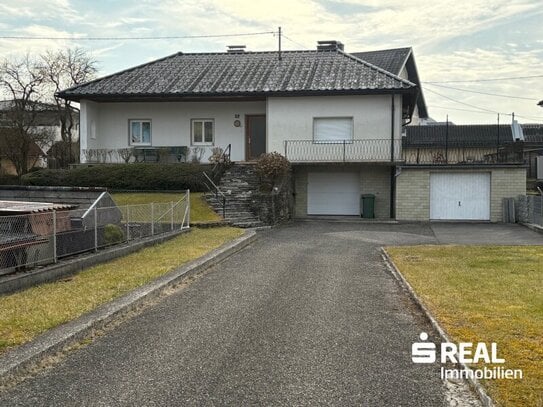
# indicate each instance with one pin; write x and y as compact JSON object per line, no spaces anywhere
{"x":31,"y":312}
{"x":199,"y":209}
{"x":486,"y":294}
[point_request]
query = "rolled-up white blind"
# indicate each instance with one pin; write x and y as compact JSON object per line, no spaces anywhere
{"x":333,"y":129}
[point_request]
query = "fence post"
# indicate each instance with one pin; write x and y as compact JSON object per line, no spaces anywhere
{"x":152,"y":218}
{"x":127,"y":223}
{"x":95,"y":229}
{"x":54,"y":236}
{"x":171,"y":215}
{"x":188,"y":206}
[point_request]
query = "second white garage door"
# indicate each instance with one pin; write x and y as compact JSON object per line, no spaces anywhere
{"x":333,"y":193}
{"x":460,"y":196}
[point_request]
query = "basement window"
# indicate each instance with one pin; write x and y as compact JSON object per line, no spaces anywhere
{"x":140,"y":132}
{"x":202,"y":131}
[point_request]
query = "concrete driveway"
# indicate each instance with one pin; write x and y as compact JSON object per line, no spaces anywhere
{"x":308,"y":315}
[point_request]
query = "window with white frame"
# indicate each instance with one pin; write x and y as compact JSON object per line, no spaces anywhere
{"x":140,"y":132}
{"x":203,"y":132}
{"x":332,"y":129}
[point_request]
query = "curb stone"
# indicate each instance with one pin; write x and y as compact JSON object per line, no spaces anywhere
{"x":22,"y":359}
{"x":474,"y":383}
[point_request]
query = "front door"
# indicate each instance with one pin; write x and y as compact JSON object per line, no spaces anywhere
{"x":255,"y":135}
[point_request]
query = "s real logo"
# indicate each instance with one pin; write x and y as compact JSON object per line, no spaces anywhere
{"x":423,"y":352}
{"x":463,"y":353}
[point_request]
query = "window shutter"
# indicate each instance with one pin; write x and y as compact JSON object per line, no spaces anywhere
{"x":333,"y":129}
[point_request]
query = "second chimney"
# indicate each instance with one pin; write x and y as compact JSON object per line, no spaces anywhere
{"x":236,"y":49}
{"x":330,"y":45}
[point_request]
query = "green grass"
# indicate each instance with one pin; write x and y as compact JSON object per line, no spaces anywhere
{"x":28,"y":313}
{"x":200,"y":211}
{"x":486,"y":294}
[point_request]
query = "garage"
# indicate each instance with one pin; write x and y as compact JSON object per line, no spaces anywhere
{"x":333,"y":193}
{"x":460,"y":196}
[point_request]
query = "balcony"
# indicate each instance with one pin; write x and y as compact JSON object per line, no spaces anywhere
{"x":343,"y":151}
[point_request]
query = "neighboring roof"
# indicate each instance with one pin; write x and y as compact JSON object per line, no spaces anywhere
{"x":22,"y":207}
{"x":468,"y":135}
{"x":44,"y":114}
{"x":391,"y":60}
{"x":244,"y":74}
{"x":83,"y":198}
{"x":533,"y":133}
{"x":394,"y":61}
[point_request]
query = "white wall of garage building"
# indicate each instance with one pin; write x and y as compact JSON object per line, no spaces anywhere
{"x":423,"y":193}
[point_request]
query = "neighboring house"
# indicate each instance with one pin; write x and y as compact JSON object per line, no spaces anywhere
{"x":336,"y":116}
{"x":533,"y":149}
{"x":45,"y":117}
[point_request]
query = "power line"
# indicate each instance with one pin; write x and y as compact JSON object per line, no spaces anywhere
{"x":461,"y":110}
{"x":482,"y":93}
{"x":488,"y":79}
{"x":294,"y":42}
{"x":482,"y":109}
{"x":458,"y":101}
{"x":170,"y":37}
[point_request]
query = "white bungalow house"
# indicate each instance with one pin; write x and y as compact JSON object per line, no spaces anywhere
{"x":337,"y":116}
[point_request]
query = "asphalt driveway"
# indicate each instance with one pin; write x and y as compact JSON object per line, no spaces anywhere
{"x":308,"y":315}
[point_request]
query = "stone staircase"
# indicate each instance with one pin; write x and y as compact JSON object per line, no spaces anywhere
{"x":238,"y":184}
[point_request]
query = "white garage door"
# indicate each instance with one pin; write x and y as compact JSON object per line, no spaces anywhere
{"x":333,"y":193}
{"x":460,"y":196}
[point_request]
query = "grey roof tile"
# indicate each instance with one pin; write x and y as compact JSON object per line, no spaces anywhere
{"x":243,"y":74}
{"x":391,"y":60}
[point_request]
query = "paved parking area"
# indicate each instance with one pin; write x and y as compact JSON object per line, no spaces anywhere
{"x":308,"y":315}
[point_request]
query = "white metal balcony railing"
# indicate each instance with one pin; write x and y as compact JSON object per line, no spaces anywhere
{"x":371,"y":150}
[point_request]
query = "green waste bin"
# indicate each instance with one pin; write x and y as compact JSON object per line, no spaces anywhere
{"x":367,"y":206}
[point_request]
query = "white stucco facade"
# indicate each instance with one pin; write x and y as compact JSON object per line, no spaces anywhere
{"x":106,"y":125}
{"x":292,"y":118}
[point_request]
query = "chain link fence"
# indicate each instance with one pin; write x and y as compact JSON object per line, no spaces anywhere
{"x":530,"y":209}
{"x":38,"y":239}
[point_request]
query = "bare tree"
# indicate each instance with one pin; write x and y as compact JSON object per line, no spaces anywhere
{"x":63,"y":69}
{"x":21,"y":137}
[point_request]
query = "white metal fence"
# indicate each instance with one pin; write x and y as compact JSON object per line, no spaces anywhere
{"x":37,"y":239}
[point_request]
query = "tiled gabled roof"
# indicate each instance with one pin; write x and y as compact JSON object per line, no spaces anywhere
{"x":533,"y":133}
{"x":465,"y":135}
{"x":391,"y":60}
{"x":244,"y":74}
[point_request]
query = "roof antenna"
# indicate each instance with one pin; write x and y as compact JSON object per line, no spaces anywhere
{"x":279,"y":53}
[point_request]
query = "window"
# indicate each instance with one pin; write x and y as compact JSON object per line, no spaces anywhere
{"x":140,"y":132}
{"x":202,"y":131}
{"x":332,"y":129}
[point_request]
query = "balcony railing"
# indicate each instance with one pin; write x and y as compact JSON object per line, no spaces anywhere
{"x":371,"y":150}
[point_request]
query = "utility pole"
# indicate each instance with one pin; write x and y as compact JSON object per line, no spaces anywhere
{"x":498,"y":141}
{"x":447,"y":141}
{"x":279,"y":35}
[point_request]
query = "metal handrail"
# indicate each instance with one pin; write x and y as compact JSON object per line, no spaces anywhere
{"x":224,"y":158}
{"x":217,"y":192}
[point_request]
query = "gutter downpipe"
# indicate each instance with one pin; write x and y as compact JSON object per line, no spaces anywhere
{"x":392,"y":168}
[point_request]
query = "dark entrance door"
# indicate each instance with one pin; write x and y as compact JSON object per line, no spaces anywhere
{"x":255,"y":135}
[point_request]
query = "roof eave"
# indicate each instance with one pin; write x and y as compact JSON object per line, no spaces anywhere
{"x":184,"y":96}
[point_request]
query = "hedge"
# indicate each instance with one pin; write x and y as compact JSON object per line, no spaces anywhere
{"x":124,"y":177}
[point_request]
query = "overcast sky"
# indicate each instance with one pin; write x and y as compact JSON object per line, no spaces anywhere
{"x":452,"y":40}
